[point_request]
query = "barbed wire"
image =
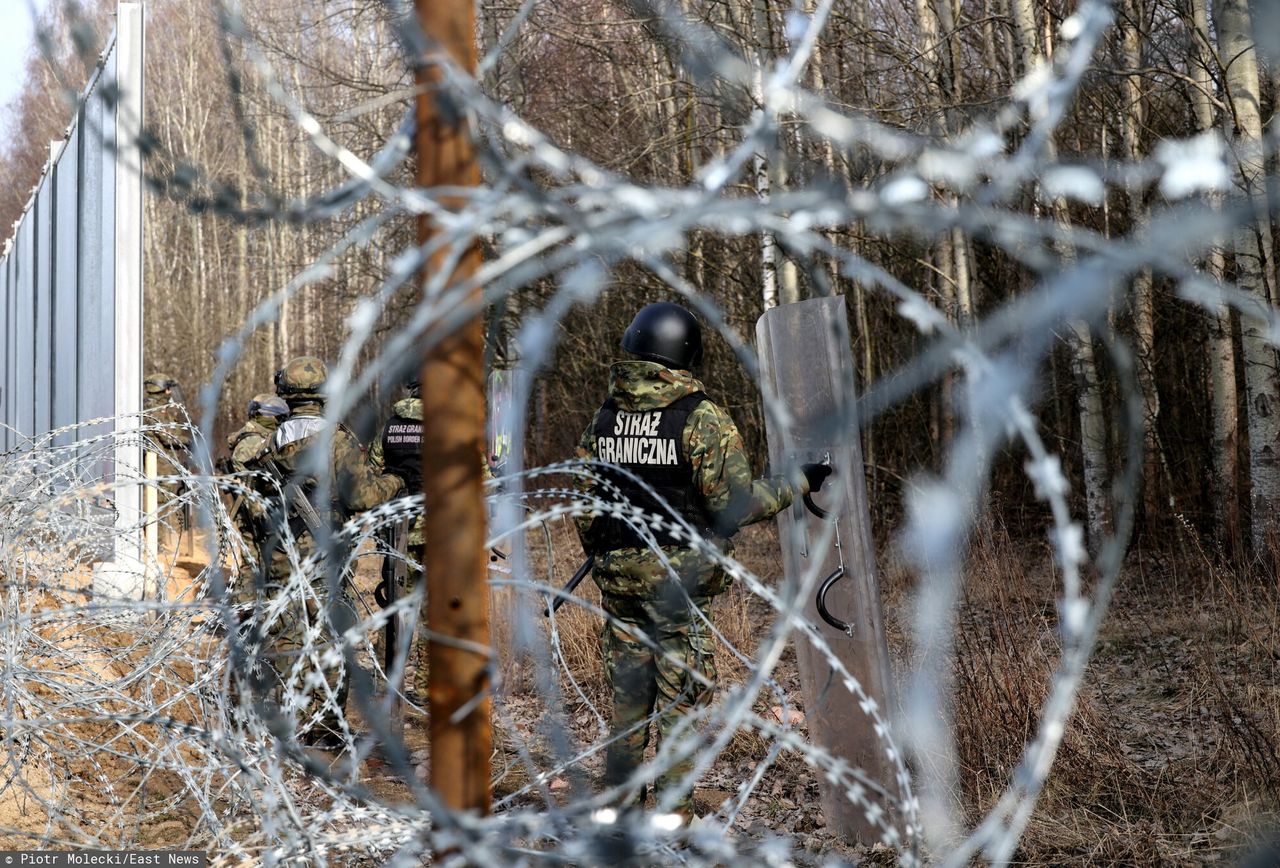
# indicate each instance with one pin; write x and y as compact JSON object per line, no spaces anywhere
{"x":118,"y":717}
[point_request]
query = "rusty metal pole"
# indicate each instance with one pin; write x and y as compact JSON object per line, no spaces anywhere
{"x":453,"y":407}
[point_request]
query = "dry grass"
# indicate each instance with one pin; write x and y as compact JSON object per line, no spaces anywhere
{"x":1170,"y":758}
{"x":1171,"y":755}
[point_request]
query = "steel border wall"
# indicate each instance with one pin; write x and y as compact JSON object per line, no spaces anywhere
{"x":71,"y":285}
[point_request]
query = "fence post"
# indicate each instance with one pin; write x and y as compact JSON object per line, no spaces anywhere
{"x":151,"y":509}
{"x":125,"y":575}
{"x":453,"y":407}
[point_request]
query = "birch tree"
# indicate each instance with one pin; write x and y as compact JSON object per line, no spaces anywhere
{"x":1132,"y":120}
{"x":1252,"y":254}
{"x":1225,"y":480}
{"x":1089,"y":399}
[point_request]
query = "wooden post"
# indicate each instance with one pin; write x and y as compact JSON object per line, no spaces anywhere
{"x":453,"y":447}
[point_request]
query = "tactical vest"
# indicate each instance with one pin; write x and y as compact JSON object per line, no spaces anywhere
{"x":241,"y":435}
{"x":650,"y":445}
{"x":402,"y":450}
{"x":299,"y":507}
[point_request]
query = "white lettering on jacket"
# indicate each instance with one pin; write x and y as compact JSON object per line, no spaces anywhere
{"x":638,"y":450}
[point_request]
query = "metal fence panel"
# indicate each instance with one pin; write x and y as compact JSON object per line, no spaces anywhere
{"x":58,"y":278}
{"x":41,"y":285}
{"x":42,"y":315}
{"x":11,"y":351}
{"x":6,"y":345}
{"x":96,"y":321}
{"x":70,"y":301}
{"x":66,"y":286}
{"x":24,"y":392}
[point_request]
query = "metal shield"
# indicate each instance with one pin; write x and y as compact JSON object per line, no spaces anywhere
{"x":806,"y":363}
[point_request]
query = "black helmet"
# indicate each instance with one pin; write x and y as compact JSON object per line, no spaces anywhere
{"x":666,"y":333}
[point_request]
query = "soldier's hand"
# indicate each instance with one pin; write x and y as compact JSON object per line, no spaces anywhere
{"x":815,"y":475}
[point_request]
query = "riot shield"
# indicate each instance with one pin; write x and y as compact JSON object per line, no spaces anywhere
{"x":806,"y":360}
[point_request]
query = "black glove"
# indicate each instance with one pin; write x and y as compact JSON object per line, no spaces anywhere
{"x":815,"y":474}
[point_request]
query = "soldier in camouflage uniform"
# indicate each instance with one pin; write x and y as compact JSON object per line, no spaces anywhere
{"x":265,"y":412}
{"x":398,"y":450}
{"x":171,"y":442}
{"x":162,"y":407}
{"x":354,"y":487}
{"x":660,"y":425}
{"x":264,"y":415}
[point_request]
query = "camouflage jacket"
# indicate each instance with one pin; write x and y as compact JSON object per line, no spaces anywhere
{"x":355,"y":485}
{"x":248,"y":442}
{"x":721,"y":470}
{"x":408,"y":408}
{"x":174,"y":437}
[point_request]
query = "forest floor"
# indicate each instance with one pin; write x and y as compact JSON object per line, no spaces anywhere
{"x":1172,"y":756}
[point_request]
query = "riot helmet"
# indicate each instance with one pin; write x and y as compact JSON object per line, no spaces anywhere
{"x":666,"y":333}
{"x":267,"y":405}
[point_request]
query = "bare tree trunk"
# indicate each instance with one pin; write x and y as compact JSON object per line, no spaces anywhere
{"x":275,"y":250}
{"x":818,"y":82}
{"x":1236,"y":50}
{"x":1089,"y":403}
{"x":939,"y":86}
{"x":1143,"y":292}
{"x":1024,"y":33}
{"x":763,"y":183}
{"x":1225,"y":481}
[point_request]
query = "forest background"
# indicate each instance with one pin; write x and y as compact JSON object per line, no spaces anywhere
{"x":1173,"y":746}
{"x":599,"y":77}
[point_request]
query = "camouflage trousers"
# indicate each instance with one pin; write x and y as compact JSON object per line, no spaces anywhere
{"x":245,"y":590}
{"x":286,"y":641}
{"x":654,"y":678}
{"x":177,"y":519}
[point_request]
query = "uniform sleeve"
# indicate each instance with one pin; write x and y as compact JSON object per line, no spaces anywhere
{"x":586,"y":451}
{"x":360,"y":486}
{"x":722,"y":473}
{"x":246,"y":450}
{"x":376,"y":459}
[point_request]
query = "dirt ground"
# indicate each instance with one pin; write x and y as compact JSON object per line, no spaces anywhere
{"x":1171,"y":757}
